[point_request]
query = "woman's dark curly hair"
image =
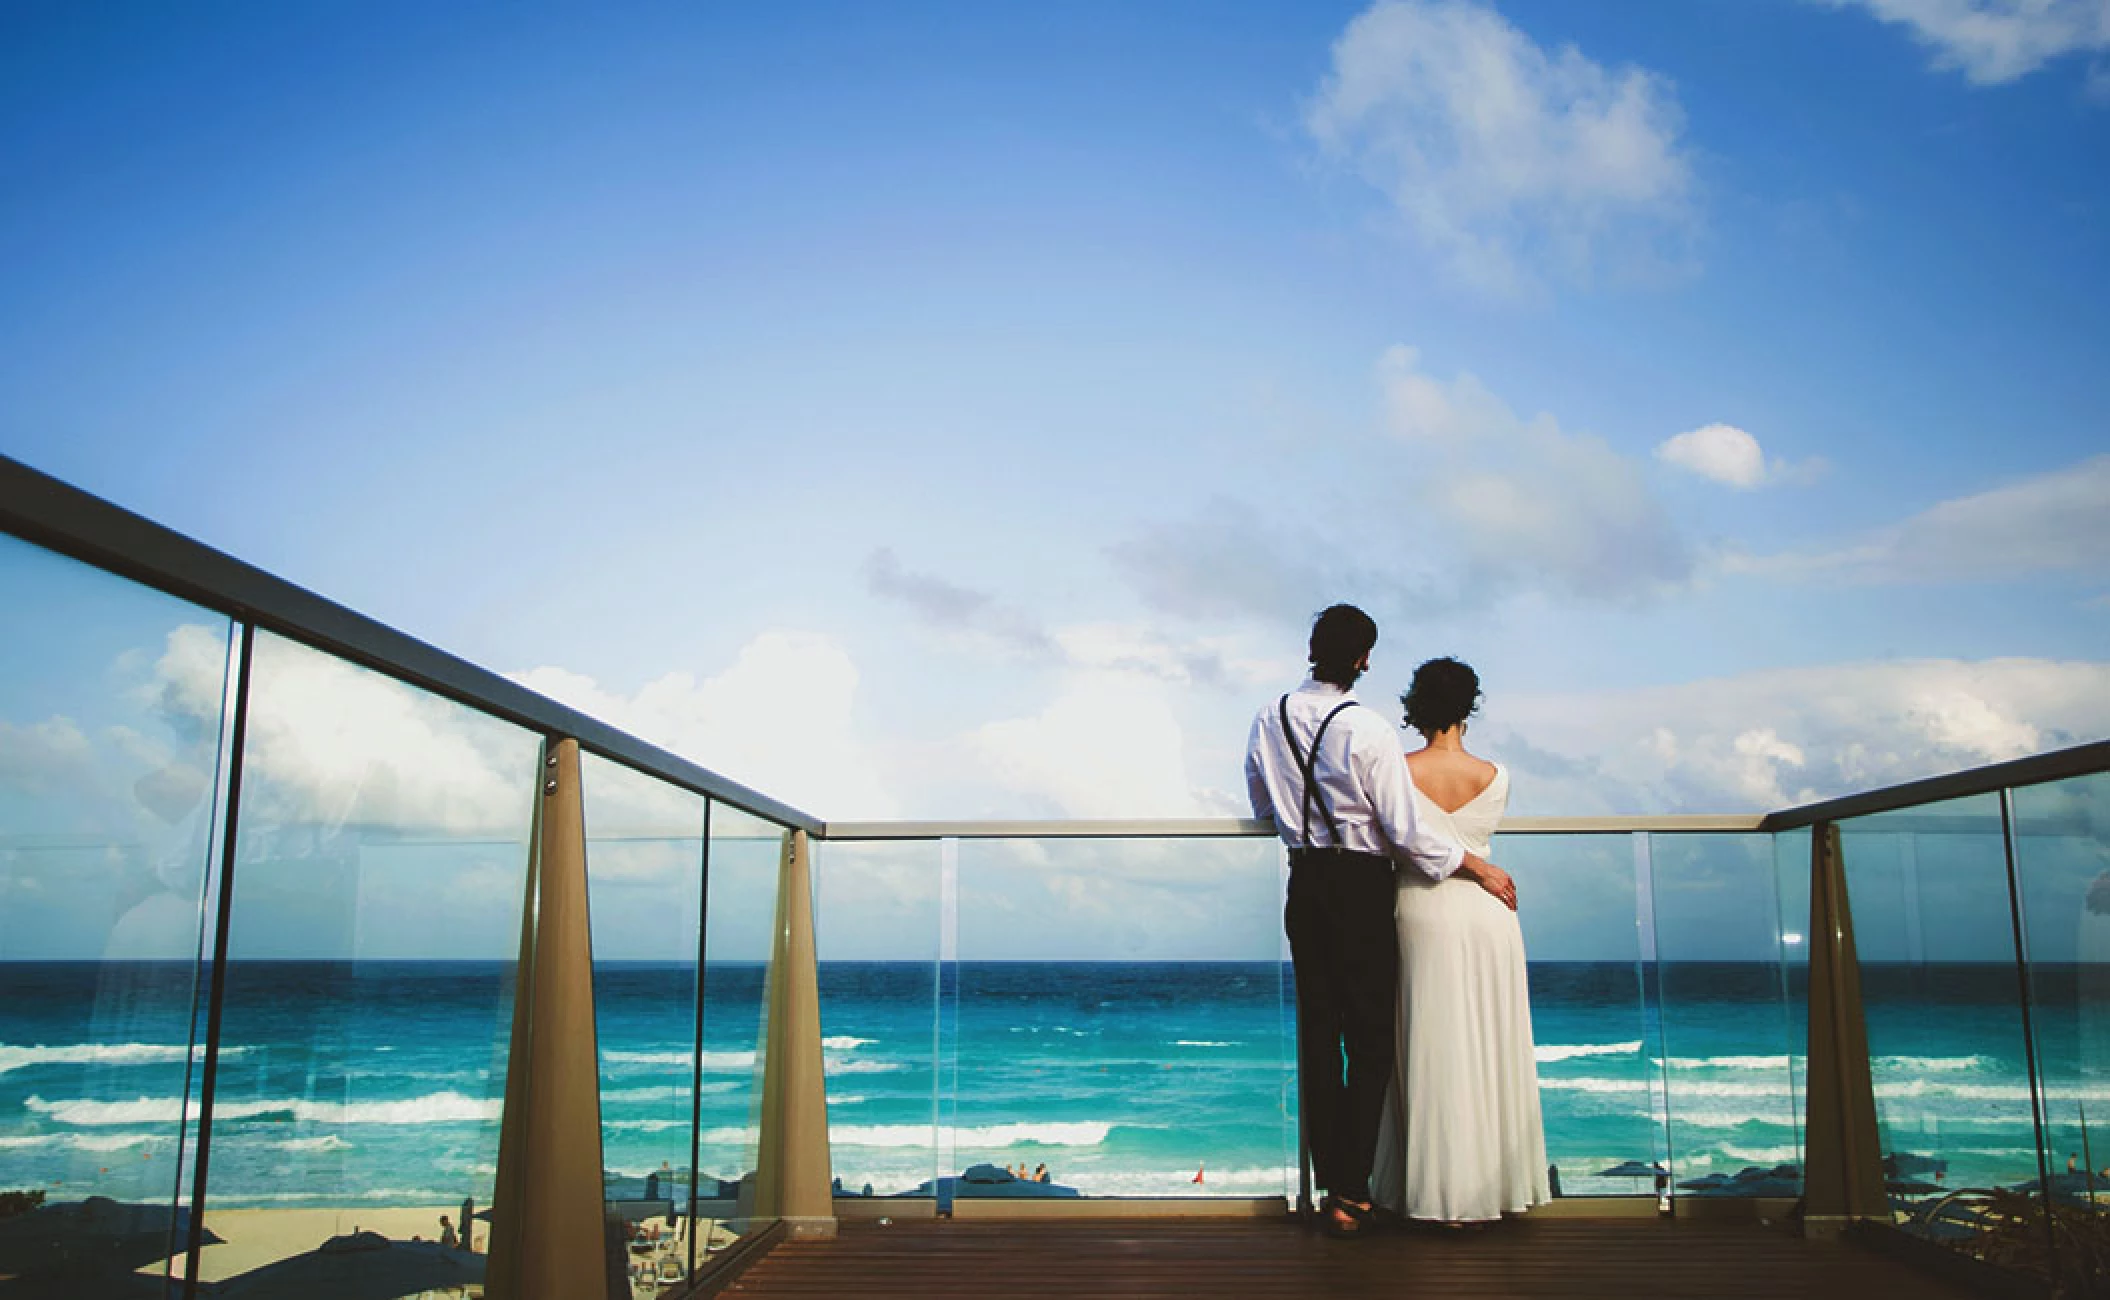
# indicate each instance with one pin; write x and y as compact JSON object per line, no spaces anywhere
{"x":1444,"y":693}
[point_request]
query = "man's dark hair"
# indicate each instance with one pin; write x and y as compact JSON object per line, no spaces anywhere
{"x":1340,"y":636}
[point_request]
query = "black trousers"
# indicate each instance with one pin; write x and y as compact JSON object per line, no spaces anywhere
{"x":1344,"y":947}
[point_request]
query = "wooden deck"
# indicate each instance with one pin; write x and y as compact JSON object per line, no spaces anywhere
{"x":1272,"y":1259}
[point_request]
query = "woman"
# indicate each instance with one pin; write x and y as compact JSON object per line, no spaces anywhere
{"x":1461,"y":1140}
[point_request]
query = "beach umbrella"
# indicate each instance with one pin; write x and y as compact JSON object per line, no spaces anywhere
{"x":1016,"y":1190}
{"x":1781,"y":1180}
{"x":1632,"y":1169}
{"x":1948,"y":1219}
{"x":361,"y":1266}
{"x":97,"y":1234}
{"x":1911,"y":1187}
{"x":2065,"y":1186}
{"x":109,"y":1285}
{"x":1704,"y":1184}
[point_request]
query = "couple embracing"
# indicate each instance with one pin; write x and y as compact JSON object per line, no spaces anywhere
{"x":1405,"y":944}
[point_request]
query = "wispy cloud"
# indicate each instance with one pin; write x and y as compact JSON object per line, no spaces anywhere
{"x":1526,"y":502}
{"x":1242,"y":561}
{"x":940,"y":603}
{"x":1507,"y":160}
{"x":1488,"y":504}
{"x":973,"y":617}
{"x":1993,"y":42}
{"x":2055,"y":522}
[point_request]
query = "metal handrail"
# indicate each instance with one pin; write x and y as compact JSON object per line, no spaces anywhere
{"x":60,"y":517}
{"x":2080,"y":760}
{"x":1240,"y":827}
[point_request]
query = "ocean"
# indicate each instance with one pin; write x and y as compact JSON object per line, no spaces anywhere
{"x":379,"y":1082}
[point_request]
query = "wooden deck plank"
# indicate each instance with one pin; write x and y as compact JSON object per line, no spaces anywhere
{"x":1259,"y":1260}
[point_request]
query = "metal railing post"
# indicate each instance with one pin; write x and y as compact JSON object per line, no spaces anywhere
{"x":548,"y":1233}
{"x":1843,"y":1173}
{"x":792,"y":1180}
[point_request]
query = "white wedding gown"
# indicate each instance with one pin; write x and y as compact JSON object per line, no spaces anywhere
{"x":1461,"y":1139}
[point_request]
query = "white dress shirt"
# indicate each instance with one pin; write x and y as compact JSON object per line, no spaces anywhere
{"x":1362,"y":776}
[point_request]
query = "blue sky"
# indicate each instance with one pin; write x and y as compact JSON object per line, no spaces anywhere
{"x":960,"y":410}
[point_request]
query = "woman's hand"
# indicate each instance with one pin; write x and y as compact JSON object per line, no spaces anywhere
{"x":1490,"y":878}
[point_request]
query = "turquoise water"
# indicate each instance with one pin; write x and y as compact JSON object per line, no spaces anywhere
{"x":380,"y":1082}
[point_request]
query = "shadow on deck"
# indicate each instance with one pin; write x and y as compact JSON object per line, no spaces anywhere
{"x":1228,"y":1260}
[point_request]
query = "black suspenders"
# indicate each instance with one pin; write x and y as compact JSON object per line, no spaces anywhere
{"x":1308,"y":764}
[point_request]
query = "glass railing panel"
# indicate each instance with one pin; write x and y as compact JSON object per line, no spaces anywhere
{"x":1791,"y":878}
{"x":1727,"y":1034}
{"x":2062,"y":863}
{"x":110,"y":747}
{"x":381,"y":853}
{"x":1579,"y":905}
{"x":1120,"y":1020}
{"x":739,"y":920}
{"x":876,"y":929}
{"x":1941,"y":999}
{"x":644,"y":873}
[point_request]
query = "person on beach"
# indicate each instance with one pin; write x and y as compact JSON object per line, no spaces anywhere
{"x":1328,"y":774}
{"x":448,"y":1241}
{"x":1461,"y":1140}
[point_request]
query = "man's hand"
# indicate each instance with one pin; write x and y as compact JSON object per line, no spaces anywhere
{"x":1490,"y":878}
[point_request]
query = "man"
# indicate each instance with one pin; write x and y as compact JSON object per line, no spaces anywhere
{"x":1331,"y":777}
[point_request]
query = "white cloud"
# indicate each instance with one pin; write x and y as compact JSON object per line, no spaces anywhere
{"x":2054,"y":522}
{"x":1525,"y":501}
{"x":337,"y":744}
{"x":1721,"y":452}
{"x":1504,"y":158}
{"x":43,"y":755}
{"x":1773,"y":739}
{"x":778,"y":720}
{"x":1132,"y":648}
{"x":1108,"y":746}
{"x":1996,"y":41}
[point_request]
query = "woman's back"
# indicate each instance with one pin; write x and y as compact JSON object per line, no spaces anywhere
{"x":1451,"y":778}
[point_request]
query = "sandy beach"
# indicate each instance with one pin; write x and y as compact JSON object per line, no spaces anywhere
{"x":251,"y":1239}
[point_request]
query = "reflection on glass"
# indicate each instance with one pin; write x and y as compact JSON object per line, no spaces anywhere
{"x":1932,"y":924}
{"x":1578,"y":904}
{"x":644,"y":873}
{"x":380,"y":866}
{"x":1120,"y":1025}
{"x":740,"y":917}
{"x":2062,"y":862}
{"x":1734,"y":1130}
{"x":876,"y":924}
{"x":110,"y":731}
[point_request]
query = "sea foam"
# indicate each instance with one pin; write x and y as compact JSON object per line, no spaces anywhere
{"x":1548,"y":1052}
{"x":1080,"y":1133}
{"x":21,"y":1058}
{"x":1728,"y":1063}
{"x":435,"y":1108}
